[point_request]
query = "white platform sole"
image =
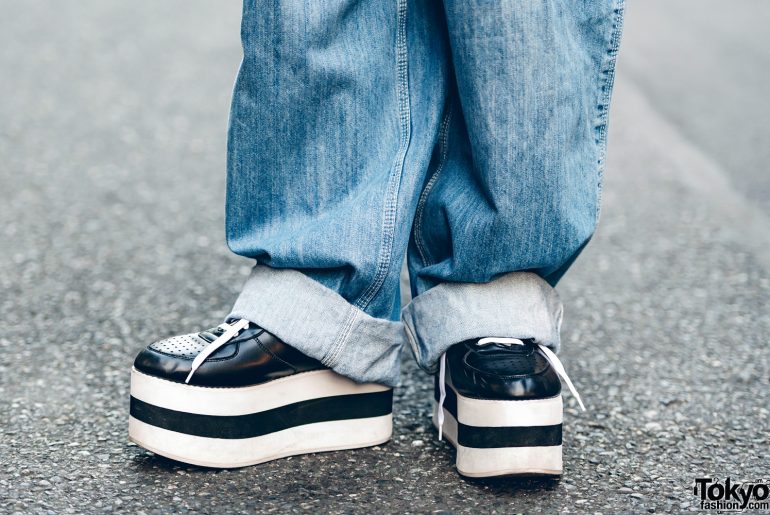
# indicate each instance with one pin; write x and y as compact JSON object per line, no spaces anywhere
{"x":503,"y":438}
{"x":235,"y":427}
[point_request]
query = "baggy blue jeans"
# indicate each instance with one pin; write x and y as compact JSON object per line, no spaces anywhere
{"x":468,"y":136}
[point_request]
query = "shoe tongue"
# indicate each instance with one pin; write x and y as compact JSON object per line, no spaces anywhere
{"x":212,"y":334}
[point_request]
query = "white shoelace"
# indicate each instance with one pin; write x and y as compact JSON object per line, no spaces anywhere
{"x":230,"y":332}
{"x":549,"y":354}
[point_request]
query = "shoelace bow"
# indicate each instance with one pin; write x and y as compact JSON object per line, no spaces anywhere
{"x":549,"y":354}
{"x":230,"y":332}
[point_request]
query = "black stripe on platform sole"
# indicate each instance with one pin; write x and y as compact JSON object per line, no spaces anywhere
{"x":324,"y":409}
{"x":496,"y":437}
{"x":479,"y":437}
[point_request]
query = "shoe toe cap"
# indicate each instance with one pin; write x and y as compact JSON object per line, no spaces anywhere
{"x":530,"y":386}
{"x":504,"y":373}
{"x":170,"y":358}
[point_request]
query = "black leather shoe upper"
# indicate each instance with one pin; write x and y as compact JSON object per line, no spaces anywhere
{"x":498,"y":371}
{"x":252,"y":357}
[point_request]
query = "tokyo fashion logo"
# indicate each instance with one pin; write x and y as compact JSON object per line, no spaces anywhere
{"x":730,"y":495}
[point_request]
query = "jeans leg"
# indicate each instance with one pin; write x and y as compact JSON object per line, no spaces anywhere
{"x":517,"y":195}
{"x":335,"y":112}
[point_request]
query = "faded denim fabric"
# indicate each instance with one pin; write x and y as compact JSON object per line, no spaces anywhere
{"x":468,"y":135}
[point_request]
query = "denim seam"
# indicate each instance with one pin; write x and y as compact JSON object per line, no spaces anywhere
{"x":390,"y":205}
{"x":605,"y":88}
{"x":443,"y":145}
{"x":413,"y":342}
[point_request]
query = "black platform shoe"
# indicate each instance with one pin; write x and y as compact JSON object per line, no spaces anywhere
{"x":498,"y":401}
{"x":236,"y":395}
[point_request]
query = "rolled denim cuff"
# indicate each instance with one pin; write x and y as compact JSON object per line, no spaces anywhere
{"x":318,"y":322}
{"x":516,"y":305}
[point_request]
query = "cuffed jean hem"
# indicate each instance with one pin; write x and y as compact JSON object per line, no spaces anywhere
{"x":318,"y":322}
{"x":516,"y":305}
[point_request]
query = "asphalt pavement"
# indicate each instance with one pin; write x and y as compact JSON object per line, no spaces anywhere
{"x":112,"y":151}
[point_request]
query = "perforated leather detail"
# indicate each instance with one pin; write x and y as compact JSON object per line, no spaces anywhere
{"x":185,"y":346}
